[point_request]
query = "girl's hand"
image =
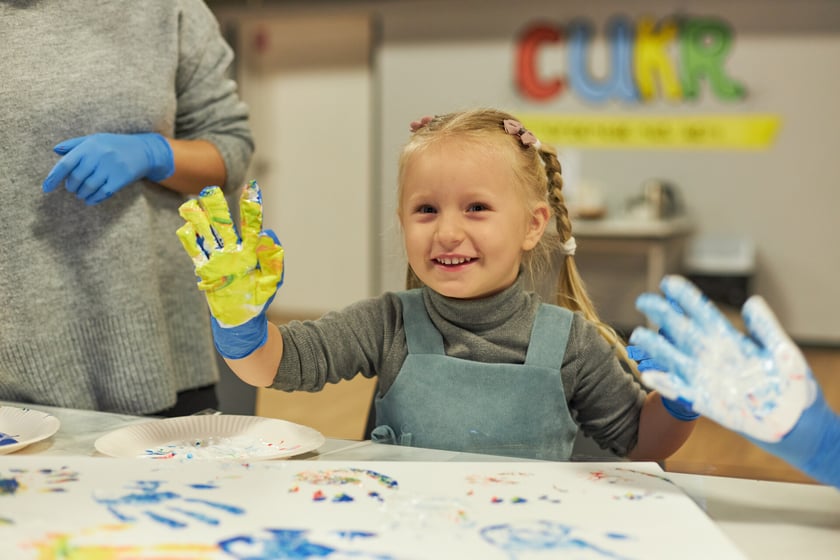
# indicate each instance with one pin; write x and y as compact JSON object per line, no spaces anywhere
{"x":239,"y":275}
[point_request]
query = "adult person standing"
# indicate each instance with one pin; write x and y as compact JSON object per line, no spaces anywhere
{"x":112,"y":112}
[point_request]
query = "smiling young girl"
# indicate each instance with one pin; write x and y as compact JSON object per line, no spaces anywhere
{"x":468,"y":359}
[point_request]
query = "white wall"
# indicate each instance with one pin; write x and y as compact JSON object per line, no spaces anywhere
{"x":307,"y":80}
{"x":784,"y":197}
{"x":439,"y":56}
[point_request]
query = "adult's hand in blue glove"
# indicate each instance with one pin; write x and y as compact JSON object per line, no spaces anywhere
{"x":759,"y":385}
{"x":644,"y":361}
{"x":679,"y":408}
{"x":97,"y":166}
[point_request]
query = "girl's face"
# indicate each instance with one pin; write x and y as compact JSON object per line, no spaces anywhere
{"x":465,"y":221}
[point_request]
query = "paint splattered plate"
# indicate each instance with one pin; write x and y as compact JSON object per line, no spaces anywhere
{"x":20,"y":427}
{"x":224,"y":436}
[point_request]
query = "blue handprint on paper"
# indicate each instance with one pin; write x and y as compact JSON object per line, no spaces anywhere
{"x":147,"y":499}
{"x":296,"y":543}
{"x":549,"y":537}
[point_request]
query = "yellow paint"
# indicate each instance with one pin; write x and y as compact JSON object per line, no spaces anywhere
{"x":61,"y":545}
{"x":238,"y":276}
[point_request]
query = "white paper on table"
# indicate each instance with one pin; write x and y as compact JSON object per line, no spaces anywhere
{"x":120,"y":508}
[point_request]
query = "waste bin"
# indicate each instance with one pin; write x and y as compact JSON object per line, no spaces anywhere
{"x":722,"y":266}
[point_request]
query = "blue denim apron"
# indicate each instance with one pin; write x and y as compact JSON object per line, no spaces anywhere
{"x":515,"y":410}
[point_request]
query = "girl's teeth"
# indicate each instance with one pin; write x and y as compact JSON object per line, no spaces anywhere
{"x":455,"y":261}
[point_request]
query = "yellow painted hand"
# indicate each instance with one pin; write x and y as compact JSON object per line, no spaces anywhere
{"x":238,"y":274}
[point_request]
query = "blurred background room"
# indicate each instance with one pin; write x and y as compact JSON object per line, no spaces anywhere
{"x":696,"y":137}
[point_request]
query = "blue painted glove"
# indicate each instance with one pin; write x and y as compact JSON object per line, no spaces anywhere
{"x":758,"y":385}
{"x":679,"y":408}
{"x":95,"y":167}
{"x":238,"y":275}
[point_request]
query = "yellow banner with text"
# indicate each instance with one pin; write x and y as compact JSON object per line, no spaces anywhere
{"x":707,"y":132}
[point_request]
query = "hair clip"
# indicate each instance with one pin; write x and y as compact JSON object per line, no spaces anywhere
{"x":515,"y":128}
{"x":418,"y":124}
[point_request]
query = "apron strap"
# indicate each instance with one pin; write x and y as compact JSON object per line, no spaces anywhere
{"x":420,"y":334}
{"x":549,"y":337}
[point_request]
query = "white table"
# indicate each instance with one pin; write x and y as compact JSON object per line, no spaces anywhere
{"x":766,"y":520}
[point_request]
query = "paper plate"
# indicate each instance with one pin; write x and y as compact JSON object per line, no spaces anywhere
{"x":223,"y":436}
{"x":20,"y":427}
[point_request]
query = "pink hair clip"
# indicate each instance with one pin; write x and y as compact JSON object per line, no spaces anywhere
{"x":417,"y":125}
{"x":515,"y":128}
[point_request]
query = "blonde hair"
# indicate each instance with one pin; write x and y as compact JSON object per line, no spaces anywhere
{"x":539,"y":178}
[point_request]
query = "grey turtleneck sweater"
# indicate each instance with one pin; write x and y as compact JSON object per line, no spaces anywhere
{"x":368,"y":338}
{"x":98,"y":304}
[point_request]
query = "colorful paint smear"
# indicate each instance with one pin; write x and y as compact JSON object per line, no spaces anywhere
{"x":345,"y":476}
{"x":120,"y":509}
{"x":480,"y":484}
{"x":66,"y":547}
{"x":499,"y":478}
{"x":15,"y":481}
{"x":233,"y":448}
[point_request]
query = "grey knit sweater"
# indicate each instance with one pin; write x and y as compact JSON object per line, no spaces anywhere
{"x":368,"y":338}
{"x":98,"y":305}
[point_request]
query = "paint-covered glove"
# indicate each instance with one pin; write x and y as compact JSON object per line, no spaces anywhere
{"x":759,"y":385}
{"x":239,"y":275}
{"x":679,"y":409}
{"x":95,"y":167}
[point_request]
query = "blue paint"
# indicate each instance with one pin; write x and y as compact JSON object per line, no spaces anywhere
{"x":165,"y":507}
{"x":198,"y":516}
{"x":163,"y":520}
{"x":541,"y":536}
{"x":8,"y":486}
{"x":342,"y":498}
{"x":382,"y":478}
{"x":6,"y":439}
{"x":353,"y":535}
{"x":200,"y":242}
{"x":292,"y":544}
{"x":224,"y":507}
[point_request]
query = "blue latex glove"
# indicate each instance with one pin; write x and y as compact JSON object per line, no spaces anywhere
{"x":679,"y":409}
{"x":758,"y":385}
{"x":97,"y":166}
{"x":239,"y":275}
